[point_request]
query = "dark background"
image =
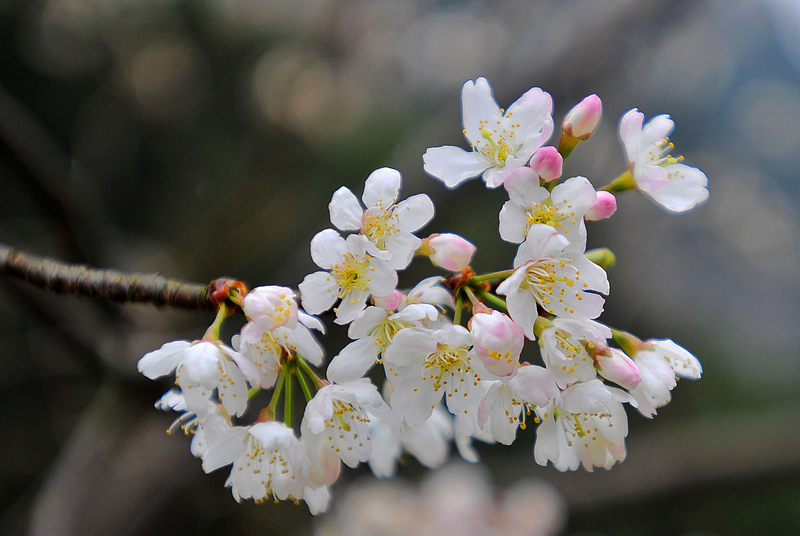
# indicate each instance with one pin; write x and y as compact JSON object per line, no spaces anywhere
{"x":204,"y":139}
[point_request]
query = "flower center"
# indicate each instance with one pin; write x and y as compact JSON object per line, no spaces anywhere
{"x":571,"y":349}
{"x":379,"y":224}
{"x":497,"y":151}
{"x":386,"y":330}
{"x":450,"y":361}
{"x":350,"y":275}
{"x":659,"y":154}
{"x":548,"y":280}
{"x":545,"y":215}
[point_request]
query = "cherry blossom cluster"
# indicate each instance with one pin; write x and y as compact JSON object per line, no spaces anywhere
{"x":450,"y":347}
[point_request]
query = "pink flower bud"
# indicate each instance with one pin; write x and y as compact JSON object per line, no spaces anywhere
{"x":547,"y":163}
{"x":619,"y":368}
{"x":271,"y":307}
{"x":390,"y":302}
{"x":450,"y":251}
{"x":498,"y":341}
{"x":581,"y":121}
{"x":604,"y":207}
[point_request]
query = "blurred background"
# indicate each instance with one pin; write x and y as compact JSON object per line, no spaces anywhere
{"x":204,"y":139}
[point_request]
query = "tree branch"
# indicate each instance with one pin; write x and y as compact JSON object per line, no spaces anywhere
{"x":81,"y":280}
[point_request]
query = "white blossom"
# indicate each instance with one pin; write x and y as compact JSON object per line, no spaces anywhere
{"x":585,"y":425}
{"x":337,"y":421}
{"x":268,"y":461}
{"x":269,"y":349}
{"x":204,"y":426}
{"x":425,"y":365}
{"x":501,"y":141}
{"x":386,"y":224}
{"x":664,"y":178}
{"x":659,"y":362}
{"x":427,"y":442}
{"x":373,"y":330}
{"x":563,"y":209}
{"x":554,"y":277}
{"x":200,"y":367}
{"x":509,"y":401}
{"x":355,"y":269}
{"x":564,"y":349}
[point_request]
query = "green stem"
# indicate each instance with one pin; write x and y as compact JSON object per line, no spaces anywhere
{"x":620,"y":184}
{"x":212,"y":333}
{"x":318,"y":382}
{"x":488,"y":277}
{"x":471,"y":295}
{"x":276,"y":394}
{"x":494,"y":300}
{"x":459,"y":309}
{"x":303,"y":385}
{"x":566,"y":145}
{"x":287,"y":398}
{"x":253,"y":392}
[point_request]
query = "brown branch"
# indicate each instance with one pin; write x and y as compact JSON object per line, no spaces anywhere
{"x":81,"y":280}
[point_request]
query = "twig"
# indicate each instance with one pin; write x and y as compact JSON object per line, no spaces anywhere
{"x":81,"y":280}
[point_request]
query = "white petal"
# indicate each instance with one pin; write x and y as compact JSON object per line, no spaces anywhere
{"x":327,"y":249}
{"x":513,"y":223}
{"x":532,"y":111}
{"x":656,"y":130}
{"x":410,"y":347}
{"x":225,"y":449}
{"x":415,"y":212}
{"x":686,"y":189}
{"x":353,"y":361}
{"x":317,"y":499}
{"x":346,"y":212}
{"x":478,"y":104}
{"x":402,"y":246}
{"x":381,"y":188}
{"x":350,"y":306}
{"x":164,"y":360}
{"x":534,"y":385}
{"x":523,"y":188}
{"x":318,"y":292}
{"x":630,"y":132}
{"x":368,"y":319}
{"x":382,"y":277}
{"x":453,"y":165}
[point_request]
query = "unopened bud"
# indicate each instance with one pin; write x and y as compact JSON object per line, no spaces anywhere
{"x":271,"y":307}
{"x":602,"y":257}
{"x":390,"y":302}
{"x":604,"y":207}
{"x":448,"y":251}
{"x":498,"y":341}
{"x":614,"y":365}
{"x":581,"y":121}
{"x":547,"y":162}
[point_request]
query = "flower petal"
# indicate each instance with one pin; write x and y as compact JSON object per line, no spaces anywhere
{"x":453,"y":165}
{"x":345,"y":210}
{"x":382,"y":188}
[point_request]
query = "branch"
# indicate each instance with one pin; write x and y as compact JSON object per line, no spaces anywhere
{"x":81,"y":280}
